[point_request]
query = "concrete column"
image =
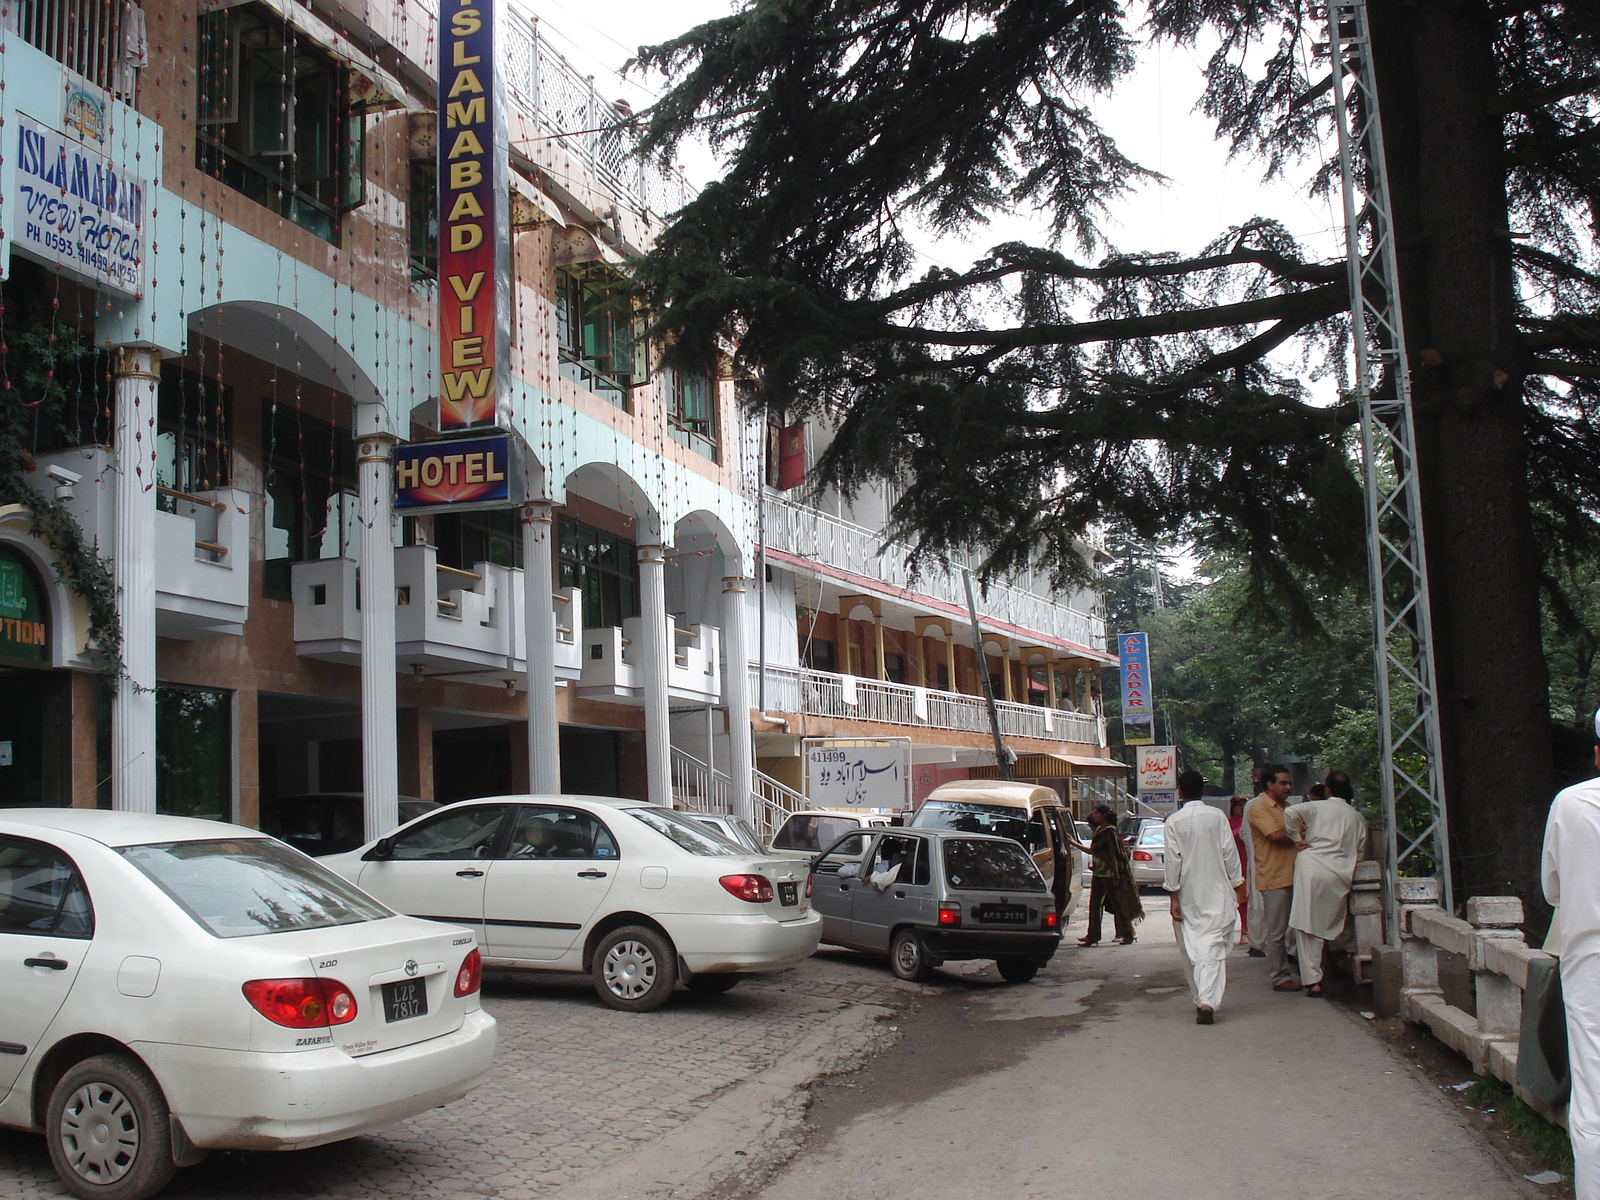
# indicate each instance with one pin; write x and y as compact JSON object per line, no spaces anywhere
{"x":380,"y":740}
{"x":736,"y":685}
{"x":539,"y":630}
{"x":133,"y":567}
{"x":877,"y":645}
{"x":1052,"y":694}
{"x":950,"y":661}
{"x":654,"y":658}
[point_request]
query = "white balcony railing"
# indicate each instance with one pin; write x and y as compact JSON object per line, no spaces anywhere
{"x":811,"y":533}
{"x":613,"y":663}
{"x":824,"y":694}
{"x":449,"y":622}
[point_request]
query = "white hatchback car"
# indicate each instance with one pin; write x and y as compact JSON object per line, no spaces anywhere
{"x":635,"y":894}
{"x":173,"y":986}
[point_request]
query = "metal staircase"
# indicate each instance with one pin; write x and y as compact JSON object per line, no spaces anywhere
{"x":699,"y":787}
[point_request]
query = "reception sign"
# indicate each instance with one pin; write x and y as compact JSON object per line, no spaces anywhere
{"x":474,"y":220}
{"x":77,"y":209}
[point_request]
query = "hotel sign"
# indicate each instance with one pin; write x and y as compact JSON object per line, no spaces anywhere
{"x":474,"y":220}
{"x":450,"y":476}
{"x":77,"y":209}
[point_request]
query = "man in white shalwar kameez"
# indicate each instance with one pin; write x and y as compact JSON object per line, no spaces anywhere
{"x":1572,"y":882}
{"x":1206,"y":881}
{"x":1255,"y":911}
{"x":1329,"y":834}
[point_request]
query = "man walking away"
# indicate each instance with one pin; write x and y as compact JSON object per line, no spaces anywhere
{"x":1274,"y":878}
{"x":1207,"y":885}
{"x":1328,"y":833}
{"x":1572,"y":883}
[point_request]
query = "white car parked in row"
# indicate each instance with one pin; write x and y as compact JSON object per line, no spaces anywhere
{"x":173,"y":986}
{"x":635,"y":894}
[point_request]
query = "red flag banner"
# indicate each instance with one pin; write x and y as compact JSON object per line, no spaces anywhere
{"x":791,"y":456}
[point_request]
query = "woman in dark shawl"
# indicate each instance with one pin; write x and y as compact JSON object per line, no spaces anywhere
{"x":1111,"y":885}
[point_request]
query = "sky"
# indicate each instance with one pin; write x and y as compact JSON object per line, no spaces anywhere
{"x":1152,"y":119}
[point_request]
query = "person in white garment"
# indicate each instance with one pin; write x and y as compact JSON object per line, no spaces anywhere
{"x":1329,"y":833}
{"x":1206,"y":881}
{"x":1572,"y":883}
{"x":1255,"y":919}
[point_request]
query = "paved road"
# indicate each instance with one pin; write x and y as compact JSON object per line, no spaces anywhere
{"x":579,"y":1093}
{"x":1095,"y":1081}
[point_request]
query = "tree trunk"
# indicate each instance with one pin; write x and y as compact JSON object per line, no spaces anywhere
{"x":1435,"y":73}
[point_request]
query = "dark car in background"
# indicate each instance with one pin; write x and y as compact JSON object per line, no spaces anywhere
{"x":327,"y":822}
{"x":925,"y":897}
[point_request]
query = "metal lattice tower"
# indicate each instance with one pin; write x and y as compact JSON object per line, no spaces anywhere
{"x":1407,"y":690}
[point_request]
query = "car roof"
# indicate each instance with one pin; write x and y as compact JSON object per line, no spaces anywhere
{"x":553,"y":798}
{"x":997,"y":791}
{"x":122,"y":828}
{"x":864,"y":814}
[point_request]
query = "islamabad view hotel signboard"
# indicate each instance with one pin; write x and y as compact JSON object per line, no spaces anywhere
{"x":76,"y":209}
{"x":477,"y":472}
{"x":474,"y":221}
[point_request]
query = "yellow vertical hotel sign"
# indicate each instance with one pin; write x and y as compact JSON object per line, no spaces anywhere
{"x":474,"y":224}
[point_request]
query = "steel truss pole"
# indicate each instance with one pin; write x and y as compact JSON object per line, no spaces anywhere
{"x":1407,"y":690}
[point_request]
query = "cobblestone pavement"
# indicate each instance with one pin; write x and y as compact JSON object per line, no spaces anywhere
{"x":577,"y":1088}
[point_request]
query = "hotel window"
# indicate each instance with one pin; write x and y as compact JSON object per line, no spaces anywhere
{"x":311,"y":511}
{"x":819,"y":655}
{"x":466,"y":539}
{"x":275,"y":119}
{"x":422,"y":217}
{"x":603,"y":567}
{"x":691,"y":399}
{"x":599,"y":333}
{"x":194,"y":422}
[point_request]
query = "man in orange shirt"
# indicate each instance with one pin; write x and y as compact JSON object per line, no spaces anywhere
{"x":1274,"y":853}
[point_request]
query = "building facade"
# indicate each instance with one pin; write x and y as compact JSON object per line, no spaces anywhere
{"x":230,"y":213}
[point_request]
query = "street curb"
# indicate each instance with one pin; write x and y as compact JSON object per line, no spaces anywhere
{"x":747,"y":1130}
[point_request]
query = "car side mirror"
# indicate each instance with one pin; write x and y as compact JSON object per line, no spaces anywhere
{"x":381,"y":849}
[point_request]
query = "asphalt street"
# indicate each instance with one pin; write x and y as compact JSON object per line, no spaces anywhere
{"x":835,"y":1080}
{"x":1095,"y":1081}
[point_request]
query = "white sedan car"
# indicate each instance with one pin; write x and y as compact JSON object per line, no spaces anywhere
{"x":637,"y":895}
{"x":173,"y":986}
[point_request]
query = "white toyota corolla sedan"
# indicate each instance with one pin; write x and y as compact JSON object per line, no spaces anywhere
{"x":172,"y":986}
{"x":637,"y":895}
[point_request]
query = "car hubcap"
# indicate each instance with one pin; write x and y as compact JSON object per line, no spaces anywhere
{"x":630,"y":969}
{"x":100,"y":1133}
{"x":908,"y":954}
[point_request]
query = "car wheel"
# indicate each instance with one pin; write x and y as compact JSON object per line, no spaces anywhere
{"x":108,"y":1130}
{"x":635,"y":969}
{"x":713,"y":985}
{"x":907,"y":958}
{"x":1017,"y":970}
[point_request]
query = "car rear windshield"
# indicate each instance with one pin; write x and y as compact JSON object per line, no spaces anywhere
{"x":979,"y":865}
{"x":239,"y":887}
{"x":1153,"y":835}
{"x":963,"y":817}
{"x":808,"y":831}
{"x":686,"y":833}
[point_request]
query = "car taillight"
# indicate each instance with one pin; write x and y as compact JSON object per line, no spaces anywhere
{"x":301,"y":1003}
{"x":470,"y":977}
{"x":755,"y":888}
{"x":1050,"y":918}
{"x":1142,"y":856}
{"x":808,"y":887}
{"x":949,"y":914}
